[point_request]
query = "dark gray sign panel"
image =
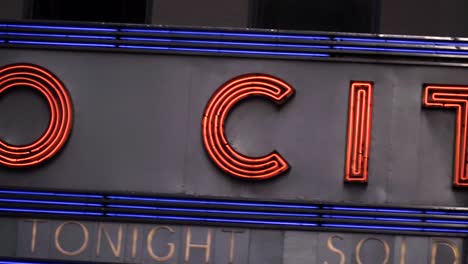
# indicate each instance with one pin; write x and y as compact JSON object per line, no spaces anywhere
{"x":137,"y":128}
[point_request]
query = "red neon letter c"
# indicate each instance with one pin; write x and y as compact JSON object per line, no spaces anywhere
{"x":216,"y":112}
{"x":58,"y":130}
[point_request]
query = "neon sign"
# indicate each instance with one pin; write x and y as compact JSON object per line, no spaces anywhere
{"x":231,"y":93}
{"x":453,"y":97}
{"x":359,"y":132}
{"x":58,"y":130}
{"x":214,"y":138}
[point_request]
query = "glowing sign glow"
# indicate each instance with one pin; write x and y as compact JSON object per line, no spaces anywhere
{"x":58,"y":130}
{"x":216,"y":112}
{"x":453,"y":97}
{"x":359,"y":132}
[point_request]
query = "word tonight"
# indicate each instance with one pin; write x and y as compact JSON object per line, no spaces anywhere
{"x":150,"y":243}
{"x":129,"y":243}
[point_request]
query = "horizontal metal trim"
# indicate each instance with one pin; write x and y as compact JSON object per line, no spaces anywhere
{"x":234,"y":42}
{"x":256,"y":214}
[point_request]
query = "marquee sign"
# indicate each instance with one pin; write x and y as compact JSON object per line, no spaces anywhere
{"x":216,"y":113}
{"x":230,"y":146}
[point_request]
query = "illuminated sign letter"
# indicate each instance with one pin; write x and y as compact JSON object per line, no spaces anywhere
{"x":453,"y":97}
{"x":58,"y":130}
{"x":359,"y":132}
{"x":216,"y":113}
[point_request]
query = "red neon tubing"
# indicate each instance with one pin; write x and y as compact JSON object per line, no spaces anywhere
{"x":359,"y":132}
{"x":453,"y":97}
{"x":216,"y":113}
{"x":61,"y":114}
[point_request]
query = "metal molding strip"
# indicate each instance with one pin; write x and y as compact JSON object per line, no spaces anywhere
{"x":256,"y":214}
{"x":236,"y":42}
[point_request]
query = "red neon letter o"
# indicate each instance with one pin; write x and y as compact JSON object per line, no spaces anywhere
{"x":58,"y":130}
{"x":214,"y":138}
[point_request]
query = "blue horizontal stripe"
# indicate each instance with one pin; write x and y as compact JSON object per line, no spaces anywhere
{"x":209,"y":219}
{"x":299,"y":54}
{"x":211,"y":211}
{"x":455,"y":213}
{"x":35,"y":262}
{"x":55,"y":35}
{"x":402,"y":41}
{"x":22,"y":262}
{"x":203,"y":213}
{"x":373,"y":227}
{"x":421,"y":51}
{"x":62,"y":43}
{"x":448,"y":222}
{"x":228,"y":34}
{"x":212,"y":202}
{"x":44,"y":211}
{"x":393,"y":219}
{"x":446,"y":230}
{"x":15,"y":192}
{"x":59,"y":27}
{"x":366,"y":209}
{"x":48,"y":202}
{"x":228,"y":43}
